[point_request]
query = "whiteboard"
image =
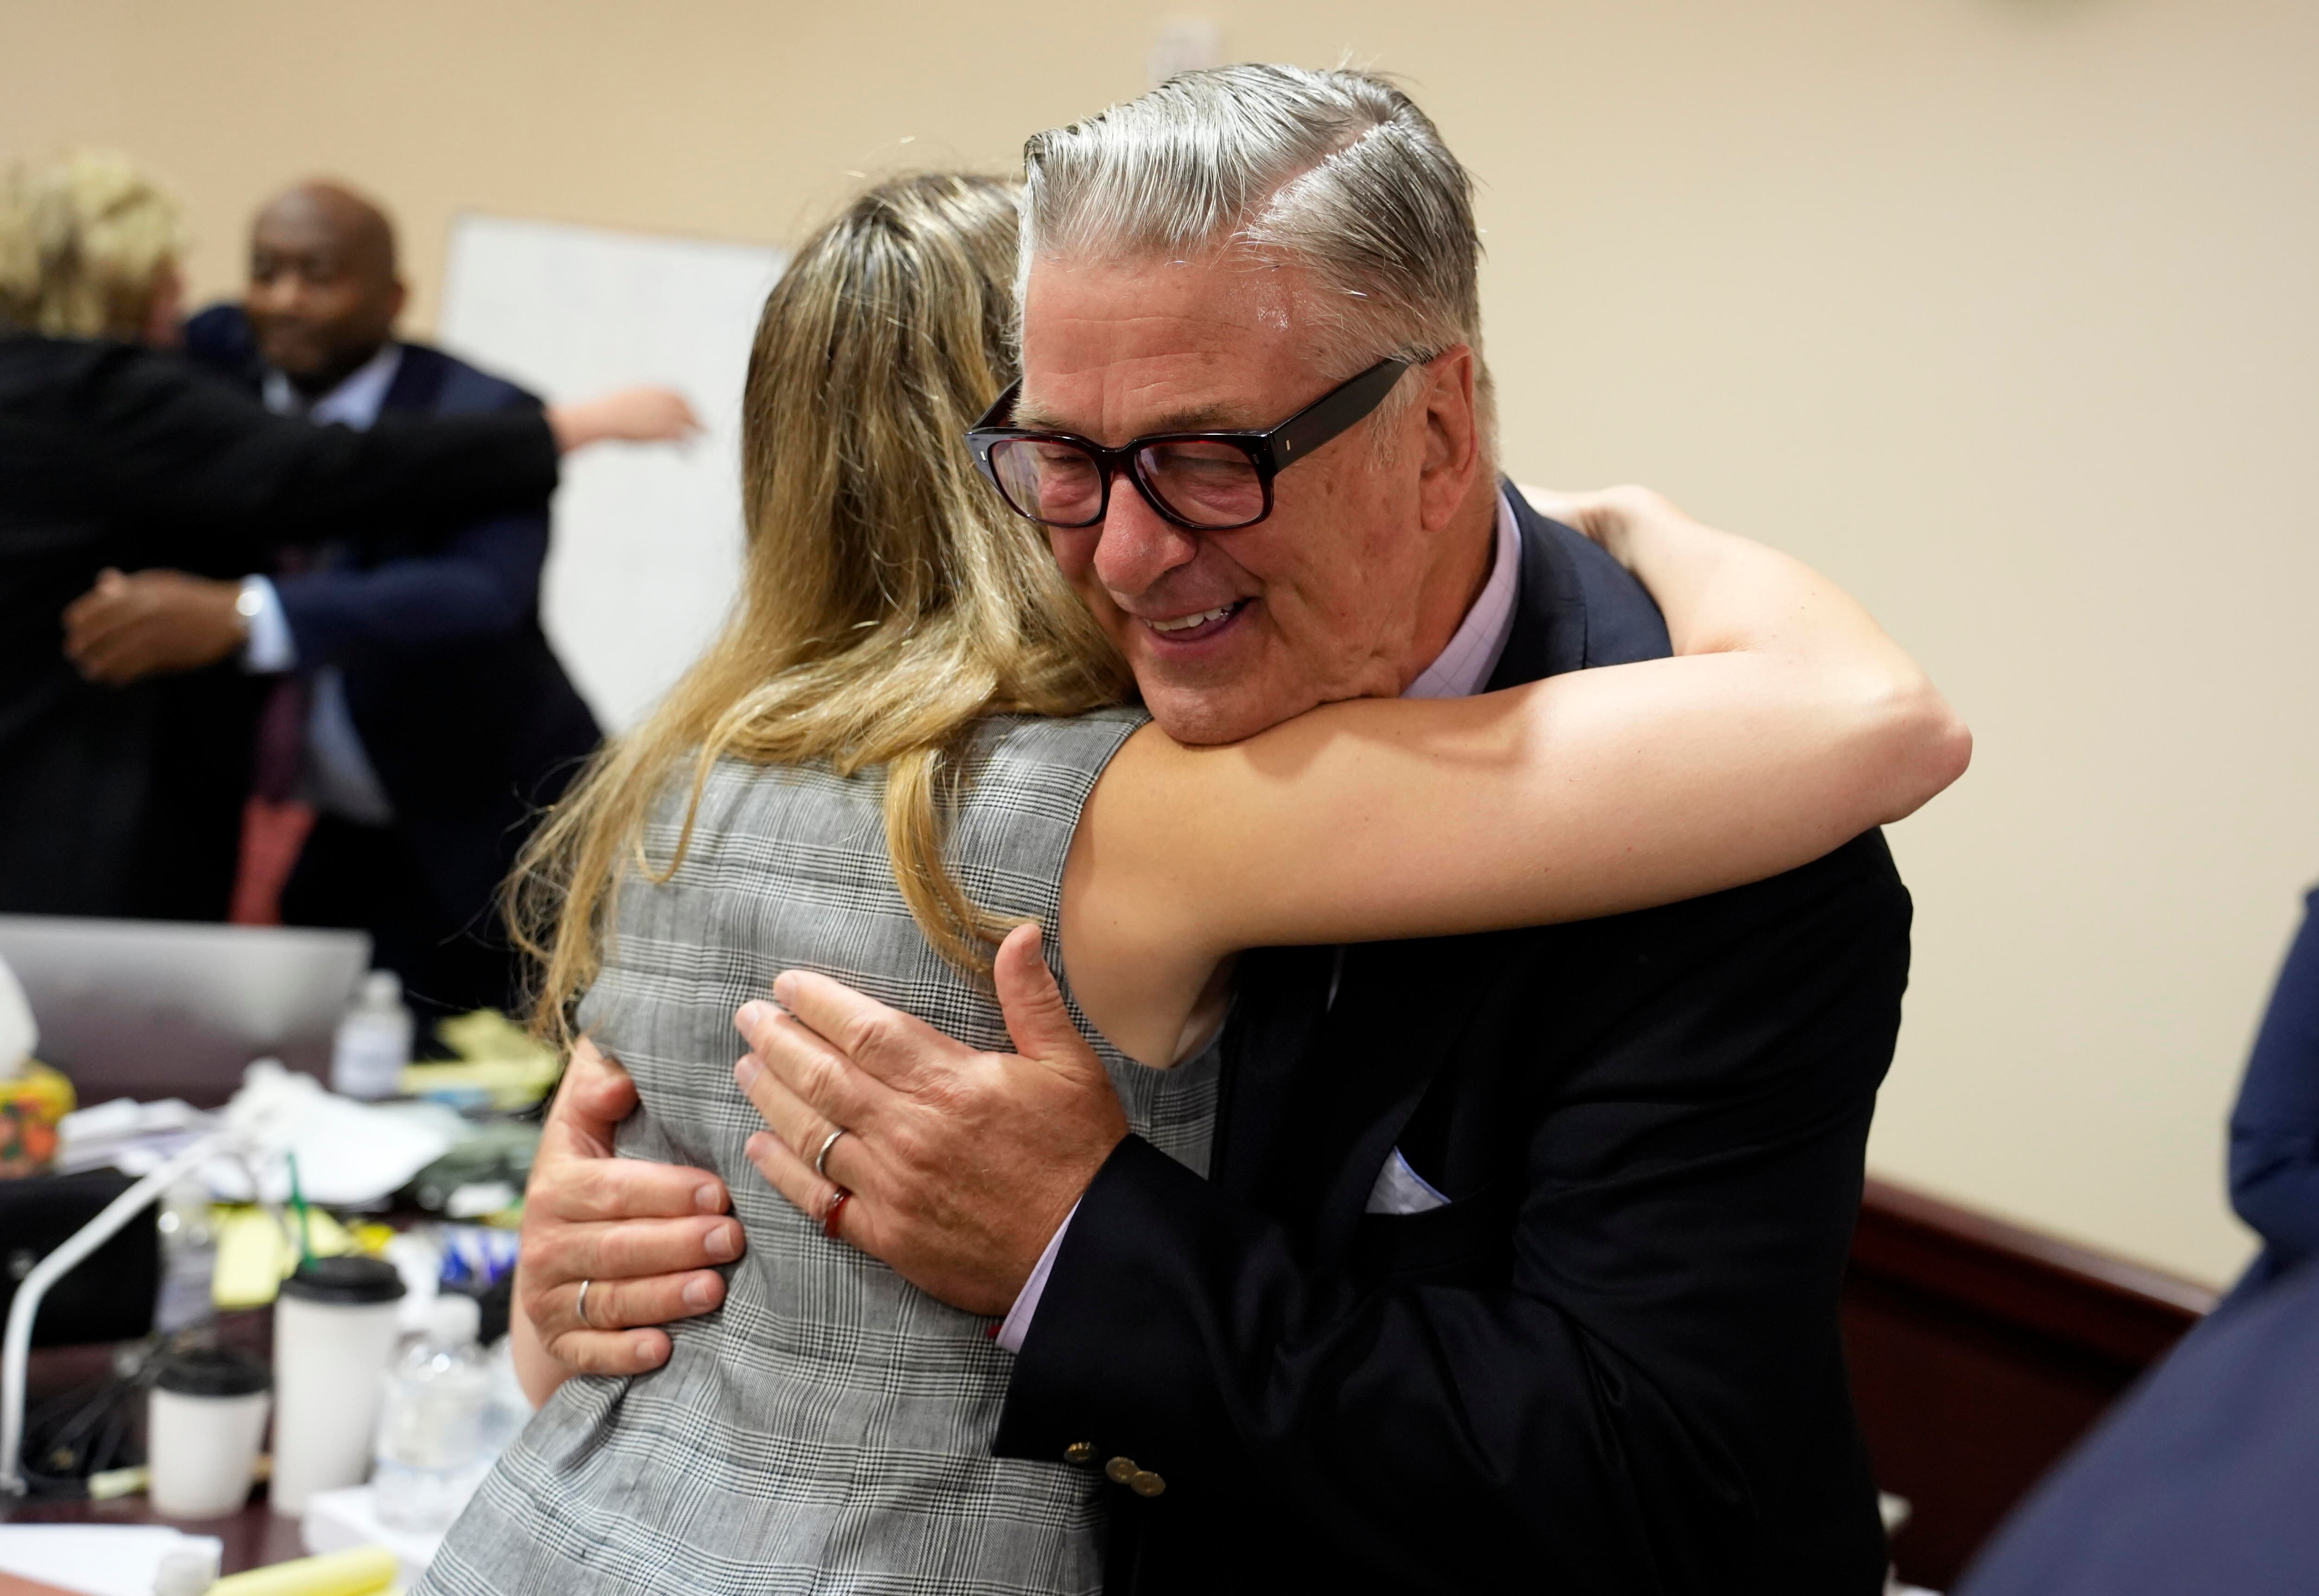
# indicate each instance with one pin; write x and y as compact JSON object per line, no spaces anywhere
{"x":647,"y":543}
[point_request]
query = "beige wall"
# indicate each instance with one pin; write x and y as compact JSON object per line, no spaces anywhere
{"x":2001,"y":310}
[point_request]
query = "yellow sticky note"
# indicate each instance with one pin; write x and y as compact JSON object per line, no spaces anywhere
{"x":255,"y":1252}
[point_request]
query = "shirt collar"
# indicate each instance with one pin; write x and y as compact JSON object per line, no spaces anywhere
{"x":355,"y":401}
{"x":1466,"y":665}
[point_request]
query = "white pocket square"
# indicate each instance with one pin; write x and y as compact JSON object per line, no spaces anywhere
{"x":1400,"y":1189}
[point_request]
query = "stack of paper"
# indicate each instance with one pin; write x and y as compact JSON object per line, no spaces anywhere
{"x":134,"y":1138}
{"x":99,"y":1559}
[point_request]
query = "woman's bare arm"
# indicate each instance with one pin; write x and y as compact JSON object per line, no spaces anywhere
{"x":536,"y":1369}
{"x":1787,"y":724}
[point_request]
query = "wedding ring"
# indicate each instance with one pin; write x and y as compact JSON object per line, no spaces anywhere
{"x":821,"y":1158}
{"x":582,"y":1308}
{"x":839,"y":1197}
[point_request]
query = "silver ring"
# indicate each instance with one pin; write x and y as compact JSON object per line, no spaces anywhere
{"x":583,"y":1309}
{"x":821,"y":1158}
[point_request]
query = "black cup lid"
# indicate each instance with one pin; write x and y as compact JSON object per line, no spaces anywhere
{"x":343,"y":1280}
{"x":212,"y":1371}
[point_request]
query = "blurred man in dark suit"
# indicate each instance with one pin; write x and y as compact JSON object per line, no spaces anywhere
{"x":422,"y":711}
{"x":2200,"y":1481}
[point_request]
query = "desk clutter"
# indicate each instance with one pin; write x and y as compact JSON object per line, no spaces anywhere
{"x":154,"y":1560}
{"x":303,"y":1292}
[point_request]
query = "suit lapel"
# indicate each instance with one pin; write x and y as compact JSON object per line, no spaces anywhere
{"x":1281,"y":998}
{"x":419,"y":379}
{"x":1314,"y":1095}
{"x":1549,"y":635}
{"x":1399,"y":1014}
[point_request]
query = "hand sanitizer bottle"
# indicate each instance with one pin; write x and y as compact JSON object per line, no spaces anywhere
{"x":374,"y":1041}
{"x":433,"y":1447}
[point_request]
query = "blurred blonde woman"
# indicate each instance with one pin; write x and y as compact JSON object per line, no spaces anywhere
{"x":882,"y":765}
{"x":89,"y":248}
{"x":115,"y":455}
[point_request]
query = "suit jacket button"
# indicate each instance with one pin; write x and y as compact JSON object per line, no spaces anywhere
{"x":1144,"y":1483}
{"x":1119,"y":1470}
{"x":1080,"y":1452}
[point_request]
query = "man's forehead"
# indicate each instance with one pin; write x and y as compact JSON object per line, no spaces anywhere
{"x":1193,"y":404}
{"x":282,"y":238}
{"x":1174,"y":344}
{"x":305,"y":235}
{"x":325,"y":222}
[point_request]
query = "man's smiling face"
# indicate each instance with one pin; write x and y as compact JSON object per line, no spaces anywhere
{"x":1342,"y":592}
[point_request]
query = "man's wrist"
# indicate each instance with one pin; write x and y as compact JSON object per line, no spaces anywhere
{"x":267,"y":644}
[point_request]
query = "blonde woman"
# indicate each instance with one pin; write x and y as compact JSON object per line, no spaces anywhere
{"x":115,"y":454}
{"x":881,"y":765}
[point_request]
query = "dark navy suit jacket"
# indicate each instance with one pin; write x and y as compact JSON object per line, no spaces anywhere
{"x":2203,"y":1480}
{"x":2275,"y":1124}
{"x":464,"y":711}
{"x":1610,"y":1363}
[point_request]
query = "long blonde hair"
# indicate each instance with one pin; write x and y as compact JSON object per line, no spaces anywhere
{"x":82,"y":246}
{"x":888,"y":600}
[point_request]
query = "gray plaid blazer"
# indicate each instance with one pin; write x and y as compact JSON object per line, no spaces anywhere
{"x":829,"y":1428}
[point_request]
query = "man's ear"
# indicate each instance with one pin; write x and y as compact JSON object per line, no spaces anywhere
{"x":396,"y":298}
{"x":1453,"y":435}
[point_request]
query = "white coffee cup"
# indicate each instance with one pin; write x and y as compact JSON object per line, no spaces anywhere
{"x":204,"y":1419}
{"x":334,"y":1331}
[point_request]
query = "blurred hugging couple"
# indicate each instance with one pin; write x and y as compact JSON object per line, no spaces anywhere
{"x":1265,"y":1023}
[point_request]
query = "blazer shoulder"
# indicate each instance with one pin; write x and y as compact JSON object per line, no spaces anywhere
{"x":434,"y":380}
{"x":1856,"y":886}
{"x":221,"y":339}
{"x":107,"y":385}
{"x":1579,"y":608}
{"x":36,"y":366}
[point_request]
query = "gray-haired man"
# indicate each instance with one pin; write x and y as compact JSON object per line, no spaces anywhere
{"x":1519,"y":1255}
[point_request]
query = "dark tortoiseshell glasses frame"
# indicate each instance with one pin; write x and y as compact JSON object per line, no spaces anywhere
{"x":1005,"y":452}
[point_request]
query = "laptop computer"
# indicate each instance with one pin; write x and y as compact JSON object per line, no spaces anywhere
{"x":157,"y":1008}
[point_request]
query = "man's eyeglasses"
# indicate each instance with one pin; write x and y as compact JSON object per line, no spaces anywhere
{"x":1208,"y":481}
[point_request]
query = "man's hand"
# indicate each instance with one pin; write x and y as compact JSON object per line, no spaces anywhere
{"x":645,"y":1236}
{"x":126,"y":627}
{"x":962,"y":1165}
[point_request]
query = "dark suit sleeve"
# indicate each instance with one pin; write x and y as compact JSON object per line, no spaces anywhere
{"x":480,"y":583}
{"x":2275,"y":1124}
{"x":1619,"y":1404}
{"x":171,"y":445}
{"x":484,"y":583}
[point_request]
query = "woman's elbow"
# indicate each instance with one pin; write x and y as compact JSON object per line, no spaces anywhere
{"x":1930,"y":748}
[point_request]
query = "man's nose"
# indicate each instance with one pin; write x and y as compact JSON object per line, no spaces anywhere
{"x":1136,"y":545}
{"x":283,"y":295}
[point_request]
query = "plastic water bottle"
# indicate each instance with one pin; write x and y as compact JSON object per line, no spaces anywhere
{"x":188,"y":1259}
{"x":433,"y":1449}
{"x":374,"y":1042}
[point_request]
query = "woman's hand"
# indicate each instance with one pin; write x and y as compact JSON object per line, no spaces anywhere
{"x":1722,"y":594}
{"x":1607,"y":516}
{"x":646,"y":1239}
{"x":627,"y":415}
